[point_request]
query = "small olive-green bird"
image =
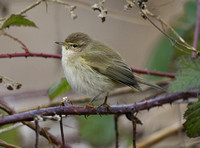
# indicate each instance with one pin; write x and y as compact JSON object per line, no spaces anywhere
{"x":94,"y":69}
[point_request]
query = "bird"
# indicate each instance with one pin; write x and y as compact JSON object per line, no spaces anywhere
{"x":94,"y":69}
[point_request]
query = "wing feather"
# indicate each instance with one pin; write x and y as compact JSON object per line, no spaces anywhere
{"x":111,"y":66}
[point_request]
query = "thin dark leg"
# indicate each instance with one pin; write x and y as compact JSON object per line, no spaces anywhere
{"x":105,"y":102}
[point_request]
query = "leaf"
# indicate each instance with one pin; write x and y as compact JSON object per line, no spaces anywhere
{"x":17,"y":20}
{"x":192,"y":123}
{"x":187,"y":76}
{"x":10,"y":136}
{"x":58,"y":88}
{"x":97,"y":130}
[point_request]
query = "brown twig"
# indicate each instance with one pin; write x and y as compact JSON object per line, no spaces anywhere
{"x":7,"y":145}
{"x":30,"y":7}
{"x":36,"y":132}
{"x":19,"y":41}
{"x":62,"y":131}
{"x":134,"y":133}
{"x":146,"y":13}
{"x":25,"y":10}
{"x":116,"y":131}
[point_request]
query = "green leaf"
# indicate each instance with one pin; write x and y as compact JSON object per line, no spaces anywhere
{"x":58,"y":88}
{"x":97,"y":130}
{"x":17,"y":20}
{"x":11,"y":136}
{"x":192,"y":123}
{"x":187,"y":76}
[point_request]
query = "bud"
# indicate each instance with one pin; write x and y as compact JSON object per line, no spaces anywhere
{"x":9,"y":87}
{"x":18,"y":86}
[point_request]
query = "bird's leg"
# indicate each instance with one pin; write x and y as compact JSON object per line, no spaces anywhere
{"x":105,"y":103}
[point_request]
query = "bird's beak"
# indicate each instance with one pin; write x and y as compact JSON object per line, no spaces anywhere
{"x":61,"y":43}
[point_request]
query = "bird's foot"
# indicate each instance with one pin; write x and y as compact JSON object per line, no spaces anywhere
{"x":90,"y":105}
{"x":106,"y":105}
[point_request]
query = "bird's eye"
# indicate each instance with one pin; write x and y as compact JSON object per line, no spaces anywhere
{"x":75,"y":45}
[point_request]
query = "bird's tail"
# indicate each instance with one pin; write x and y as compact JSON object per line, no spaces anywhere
{"x":142,"y":81}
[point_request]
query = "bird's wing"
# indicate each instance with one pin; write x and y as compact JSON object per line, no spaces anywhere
{"x":111,"y":66}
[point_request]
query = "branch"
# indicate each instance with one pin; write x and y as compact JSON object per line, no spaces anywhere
{"x":25,"y":10}
{"x":17,"y":40}
{"x":7,"y":145}
{"x":42,"y":131}
{"x":57,"y":56}
{"x":196,"y":33}
{"x":102,"y":110}
{"x":155,"y":73}
{"x":30,"y":54}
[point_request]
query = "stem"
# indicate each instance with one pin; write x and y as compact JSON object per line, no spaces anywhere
{"x":196,"y":33}
{"x":36,"y":132}
{"x":19,"y":41}
{"x":116,"y":131}
{"x":62,"y":131}
{"x":30,"y":54}
{"x":155,"y":73}
{"x":57,"y":56}
{"x":134,"y":133}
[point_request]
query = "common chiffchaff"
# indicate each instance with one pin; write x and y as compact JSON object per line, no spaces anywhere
{"x":94,"y":69}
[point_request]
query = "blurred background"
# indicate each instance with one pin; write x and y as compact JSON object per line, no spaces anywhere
{"x":140,"y":44}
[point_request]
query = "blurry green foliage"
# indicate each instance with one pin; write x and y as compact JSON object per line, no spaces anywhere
{"x":99,"y":131}
{"x":11,"y":136}
{"x":188,"y":69}
{"x":192,"y":116}
{"x":163,"y":55}
{"x":187,"y":76}
{"x":17,"y":20}
{"x":58,"y":88}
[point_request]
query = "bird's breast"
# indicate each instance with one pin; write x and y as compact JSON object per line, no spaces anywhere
{"x":82,"y":78}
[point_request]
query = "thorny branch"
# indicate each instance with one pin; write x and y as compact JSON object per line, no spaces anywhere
{"x":102,"y":110}
{"x":117,"y":110}
{"x":52,"y":139}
